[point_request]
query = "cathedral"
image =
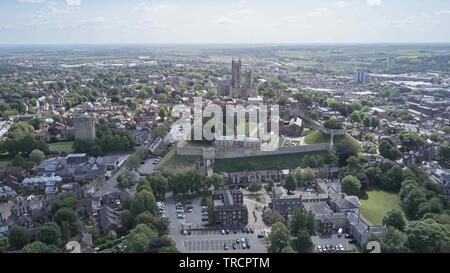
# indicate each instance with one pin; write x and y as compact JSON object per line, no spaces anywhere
{"x":237,"y":87}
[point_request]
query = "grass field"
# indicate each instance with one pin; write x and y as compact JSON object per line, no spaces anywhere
{"x":377,"y":204}
{"x":172,"y":163}
{"x":317,"y":137}
{"x":272,"y":162}
{"x":61,"y":147}
{"x":5,"y":163}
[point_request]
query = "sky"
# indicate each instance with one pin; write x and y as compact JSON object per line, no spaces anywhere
{"x":223,"y":21}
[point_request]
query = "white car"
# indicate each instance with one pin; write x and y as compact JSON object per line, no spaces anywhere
{"x":319,"y":249}
{"x":341,"y":247}
{"x":223,"y":232}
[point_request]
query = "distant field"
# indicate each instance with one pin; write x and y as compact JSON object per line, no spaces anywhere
{"x":272,"y":162}
{"x":378,"y":203}
{"x":172,"y":163}
{"x":61,"y":147}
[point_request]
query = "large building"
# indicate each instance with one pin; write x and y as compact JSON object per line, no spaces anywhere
{"x":229,"y":208}
{"x":237,"y":86}
{"x":360,"y":77}
{"x":84,"y":126}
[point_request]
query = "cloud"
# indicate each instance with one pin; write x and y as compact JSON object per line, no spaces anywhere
{"x":243,"y":12}
{"x":223,"y":21}
{"x":32,"y":1}
{"x":341,"y":4}
{"x":446,"y":11}
{"x":73,"y":2}
{"x":399,"y":22}
{"x":373,"y":2}
{"x":143,"y":7}
{"x":239,"y":4}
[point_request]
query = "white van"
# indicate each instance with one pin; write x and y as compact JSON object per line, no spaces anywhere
{"x":340,"y":232}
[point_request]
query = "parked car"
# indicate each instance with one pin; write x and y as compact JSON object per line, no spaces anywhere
{"x":234,"y":231}
{"x":244,"y":246}
{"x":243,"y":230}
{"x":252,"y":231}
{"x":340,"y":232}
{"x":348,"y":236}
{"x":227,"y":231}
{"x":341,"y":247}
{"x":225,"y":246}
{"x":238,"y":241}
{"x":223,"y":232}
{"x":189,"y":232}
{"x":204,"y":219}
{"x":261,"y":235}
{"x":184,"y":232}
{"x":247,"y":230}
{"x":234,"y":245}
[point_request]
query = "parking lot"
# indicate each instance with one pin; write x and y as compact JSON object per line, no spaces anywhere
{"x":332,"y":240}
{"x":204,"y":239}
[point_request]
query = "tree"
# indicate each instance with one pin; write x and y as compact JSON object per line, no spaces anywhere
{"x":37,"y":156}
{"x":18,"y":237}
{"x":159,"y":184}
{"x":136,"y":243}
{"x":302,"y":220}
{"x":272,"y":217}
{"x":67,"y":220}
{"x":65,"y":200}
{"x":346,"y":146}
{"x":427,"y":236}
{"x":394,"y":241}
{"x":290,"y":184}
{"x":143,"y":201}
{"x":254,"y":185}
{"x":39,"y":247}
{"x":351,"y":185}
{"x":412,"y":202}
{"x":138,"y":240}
{"x":215,"y":180}
{"x":50,"y":234}
{"x":374,"y":175}
{"x":303,"y":242}
{"x":389,"y":151}
{"x":288,"y":249}
{"x":133,"y":162}
{"x":127,"y":219}
{"x":308,"y":176}
{"x":395,"y":218}
{"x":393,"y":179}
{"x":444,"y":153}
{"x":410,"y":141}
{"x":333,"y":123}
{"x":279,"y":238}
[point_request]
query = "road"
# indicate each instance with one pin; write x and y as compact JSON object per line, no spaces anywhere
{"x":111,"y":184}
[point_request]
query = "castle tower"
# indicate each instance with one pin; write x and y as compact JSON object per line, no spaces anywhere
{"x":235,"y":73}
{"x":84,"y":126}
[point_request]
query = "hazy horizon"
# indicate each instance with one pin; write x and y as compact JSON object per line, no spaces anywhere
{"x":143,"y":22}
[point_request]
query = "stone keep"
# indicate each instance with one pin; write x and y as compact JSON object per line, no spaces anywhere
{"x":84,"y":126}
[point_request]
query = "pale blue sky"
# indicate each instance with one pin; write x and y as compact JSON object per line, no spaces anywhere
{"x":222,"y":21}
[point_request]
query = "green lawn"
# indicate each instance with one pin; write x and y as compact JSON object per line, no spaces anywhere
{"x":317,"y":137}
{"x":378,"y":203}
{"x":5,"y":163}
{"x":172,"y":163}
{"x":272,"y":162}
{"x":61,"y":147}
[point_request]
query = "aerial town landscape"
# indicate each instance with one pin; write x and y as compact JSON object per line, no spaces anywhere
{"x":93,"y":158}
